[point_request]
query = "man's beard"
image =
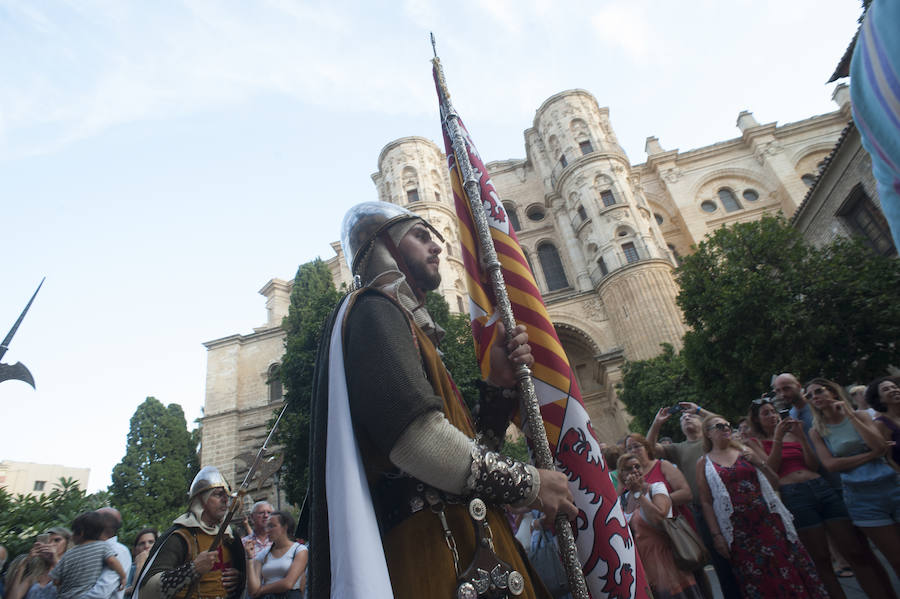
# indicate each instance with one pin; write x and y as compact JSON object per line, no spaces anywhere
{"x":422,"y":278}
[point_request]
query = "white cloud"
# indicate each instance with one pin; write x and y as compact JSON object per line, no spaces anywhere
{"x":626,"y":26}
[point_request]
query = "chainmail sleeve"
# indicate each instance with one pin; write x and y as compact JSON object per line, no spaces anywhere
{"x":385,"y":378}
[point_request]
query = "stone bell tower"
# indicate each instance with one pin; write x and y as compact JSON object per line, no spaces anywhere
{"x":613,"y":241}
{"x":412,"y":172}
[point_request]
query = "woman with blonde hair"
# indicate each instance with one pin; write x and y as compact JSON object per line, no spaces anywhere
{"x":32,"y":579}
{"x":645,"y":506}
{"x":848,"y":442}
{"x":817,"y":507}
{"x":749,"y":524}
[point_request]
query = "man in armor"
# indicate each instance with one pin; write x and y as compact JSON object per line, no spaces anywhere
{"x":181,"y":564}
{"x":406,"y":491}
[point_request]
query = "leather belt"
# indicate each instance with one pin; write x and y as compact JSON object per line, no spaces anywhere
{"x":396,"y":497}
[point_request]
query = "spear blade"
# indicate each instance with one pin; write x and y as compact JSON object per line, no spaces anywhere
{"x":8,"y":339}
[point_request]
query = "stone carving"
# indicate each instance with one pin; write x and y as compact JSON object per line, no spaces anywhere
{"x":593,"y":309}
{"x":767,"y":149}
{"x":673,"y":174}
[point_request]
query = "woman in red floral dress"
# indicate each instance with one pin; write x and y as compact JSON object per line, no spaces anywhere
{"x":749,"y":524}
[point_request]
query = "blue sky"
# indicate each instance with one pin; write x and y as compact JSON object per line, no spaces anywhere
{"x":161,"y":161}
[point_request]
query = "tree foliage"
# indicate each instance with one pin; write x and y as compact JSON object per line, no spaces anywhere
{"x":760,"y":301}
{"x":458,"y":347}
{"x":648,"y":385}
{"x":23,"y":517}
{"x":150,"y":484}
{"x":313,"y":297}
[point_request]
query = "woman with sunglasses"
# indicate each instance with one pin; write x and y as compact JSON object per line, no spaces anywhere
{"x":278,"y":571}
{"x":848,"y":442}
{"x":815,"y":504}
{"x":645,"y":505}
{"x":658,"y":470}
{"x":749,"y":524}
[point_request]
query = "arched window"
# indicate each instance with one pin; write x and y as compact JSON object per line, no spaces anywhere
{"x":604,"y":270}
{"x":728,"y":199}
{"x":631,"y":253}
{"x":552,"y":267}
{"x":582,"y":213}
{"x":675,"y":254}
{"x":459,"y":303}
{"x":273,"y":379}
{"x":513,"y":215}
{"x":528,"y":260}
{"x":607,"y":197}
{"x":412,"y":195}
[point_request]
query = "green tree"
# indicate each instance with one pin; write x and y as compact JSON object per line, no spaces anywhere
{"x":760,"y":300}
{"x":313,"y":297}
{"x":23,"y":517}
{"x":151,"y":481}
{"x":648,"y":385}
{"x":458,"y":347}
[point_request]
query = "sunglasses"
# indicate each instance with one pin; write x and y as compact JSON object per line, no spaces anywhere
{"x":761,"y":401}
{"x":719,"y":426}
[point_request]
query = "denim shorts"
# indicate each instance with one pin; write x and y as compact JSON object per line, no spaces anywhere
{"x":875,"y":503}
{"x":812,"y":502}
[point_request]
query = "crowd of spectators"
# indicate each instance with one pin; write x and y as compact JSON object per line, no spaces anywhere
{"x":86,"y":561}
{"x":805,"y":483}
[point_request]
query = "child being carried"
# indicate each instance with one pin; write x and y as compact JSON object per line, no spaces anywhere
{"x":80,"y":567}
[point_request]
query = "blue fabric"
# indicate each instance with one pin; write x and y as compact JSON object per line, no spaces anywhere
{"x":875,"y":96}
{"x":875,"y":503}
{"x":813,"y":502}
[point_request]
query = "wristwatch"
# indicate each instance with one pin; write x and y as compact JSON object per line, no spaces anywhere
{"x":636,"y":494}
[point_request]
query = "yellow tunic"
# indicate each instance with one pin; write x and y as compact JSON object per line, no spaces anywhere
{"x":210,"y":584}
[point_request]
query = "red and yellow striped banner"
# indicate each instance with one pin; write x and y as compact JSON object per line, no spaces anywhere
{"x":610,"y":563}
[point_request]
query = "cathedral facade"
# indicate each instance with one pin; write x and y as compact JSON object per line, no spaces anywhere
{"x":602,"y":235}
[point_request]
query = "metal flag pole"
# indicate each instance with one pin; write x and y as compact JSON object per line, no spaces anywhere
{"x":242,"y":490}
{"x":542,"y":457}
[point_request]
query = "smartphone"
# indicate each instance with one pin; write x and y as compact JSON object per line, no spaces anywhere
{"x":43,"y":538}
{"x":674,"y":409}
{"x":785,"y":413}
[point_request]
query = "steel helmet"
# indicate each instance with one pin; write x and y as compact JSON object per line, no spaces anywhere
{"x":208,"y":478}
{"x":365,"y":221}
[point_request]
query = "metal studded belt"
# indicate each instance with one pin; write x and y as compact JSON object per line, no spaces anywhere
{"x":397,"y":497}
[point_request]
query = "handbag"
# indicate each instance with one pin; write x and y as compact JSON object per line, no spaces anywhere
{"x":688,"y":550}
{"x":548,"y":565}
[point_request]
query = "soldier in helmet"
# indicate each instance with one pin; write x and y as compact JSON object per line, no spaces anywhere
{"x":404,"y":501}
{"x":181,"y":564}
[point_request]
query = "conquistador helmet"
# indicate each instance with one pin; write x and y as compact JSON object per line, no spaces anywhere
{"x":208,"y":478}
{"x":364,"y":222}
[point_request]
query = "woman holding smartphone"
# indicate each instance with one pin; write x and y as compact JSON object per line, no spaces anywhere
{"x":816,"y":506}
{"x":32,"y":580}
{"x":848,"y":442}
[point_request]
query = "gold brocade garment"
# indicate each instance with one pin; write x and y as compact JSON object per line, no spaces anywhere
{"x":418,"y":559}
